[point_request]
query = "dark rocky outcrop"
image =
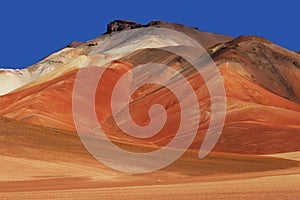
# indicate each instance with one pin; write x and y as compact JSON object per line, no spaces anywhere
{"x":204,"y":38}
{"x":119,"y":25}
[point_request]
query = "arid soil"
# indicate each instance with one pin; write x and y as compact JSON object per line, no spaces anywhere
{"x":256,"y":157}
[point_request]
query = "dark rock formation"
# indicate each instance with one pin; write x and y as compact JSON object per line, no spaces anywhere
{"x":204,"y":38}
{"x":119,"y":25}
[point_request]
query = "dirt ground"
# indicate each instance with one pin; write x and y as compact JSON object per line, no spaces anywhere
{"x":42,"y":163}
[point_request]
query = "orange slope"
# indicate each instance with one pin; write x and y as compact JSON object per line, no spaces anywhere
{"x":254,"y":124}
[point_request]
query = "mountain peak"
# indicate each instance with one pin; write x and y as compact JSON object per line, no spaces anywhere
{"x":119,"y":25}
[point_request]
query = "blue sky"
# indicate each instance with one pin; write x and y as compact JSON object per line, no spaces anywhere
{"x":33,"y":29}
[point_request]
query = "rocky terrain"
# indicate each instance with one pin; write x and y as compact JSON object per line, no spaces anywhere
{"x":259,"y":142}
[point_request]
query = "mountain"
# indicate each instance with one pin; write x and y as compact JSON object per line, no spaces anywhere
{"x":260,"y":79}
{"x":262,"y":121}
